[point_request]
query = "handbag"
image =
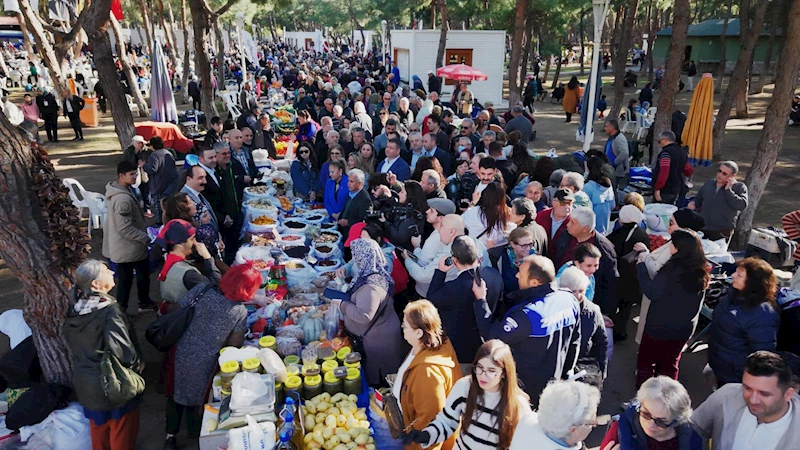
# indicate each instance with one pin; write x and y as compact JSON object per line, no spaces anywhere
{"x":166,"y":331}
{"x":394,"y":415}
{"x":630,"y":257}
{"x":357,"y":341}
{"x":120,"y":384}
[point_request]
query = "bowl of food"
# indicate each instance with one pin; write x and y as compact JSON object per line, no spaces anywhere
{"x":294,"y":226}
{"x":297,"y":251}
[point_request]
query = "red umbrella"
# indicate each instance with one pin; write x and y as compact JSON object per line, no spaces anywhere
{"x":461,"y":72}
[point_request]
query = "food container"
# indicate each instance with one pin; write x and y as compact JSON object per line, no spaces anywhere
{"x":292,"y":383}
{"x":293,"y":369}
{"x":312,"y":386}
{"x":353,"y":360}
{"x":228,"y":370}
{"x":310,"y":370}
{"x":332,"y":385}
{"x":289,"y":240}
{"x":352,"y":384}
{"x":291,"y":360}
{"x":251,"y":365}
{"x":296,"y":251}
{"x":328,"y":366}
{"x":343,"y":352}
{"x":268,"y":342}
{"x":294,"y":226}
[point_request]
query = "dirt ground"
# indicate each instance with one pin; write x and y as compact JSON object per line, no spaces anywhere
{"x":93,"y":162}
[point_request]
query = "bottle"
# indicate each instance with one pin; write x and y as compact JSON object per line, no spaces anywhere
{"x":285,"y":442}
{"x":289,"y":409}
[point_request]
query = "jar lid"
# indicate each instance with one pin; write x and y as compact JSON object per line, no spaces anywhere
{"x":328,"y":366}
{"x":267,"y":341}
{"x":352,"y":365}
{"x":353,"y":374}
{"x":326,"y":353}
{"x":310,"y":369}
{"x":293,"y":369}
{"x":251,"y":363}
{"x":330,"y":377}
{"x":343,"y":352}
{"x":230,"y":367}
{"x":293,"y":382}
{"x":313,"y":380}
{"x":291,"y":359}
{"x":353,"y":357}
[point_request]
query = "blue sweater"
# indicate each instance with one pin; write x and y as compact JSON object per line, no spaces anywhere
{"x":334,"y":203}
{"x":304,"y":178}
{"x":602,"y":204}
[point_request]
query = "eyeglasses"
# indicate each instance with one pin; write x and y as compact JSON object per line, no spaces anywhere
{"x":383,"y":113}
{"x":660,"y":423}
{"x":524,"y":246}
{"x":723,"y":172}
{"x":304,"y":151}
{"x":591,"y":424}
{"x":336,"y":154}
{"x":490,"y":373}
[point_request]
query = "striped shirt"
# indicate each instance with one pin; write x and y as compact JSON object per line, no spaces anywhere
{"x":482,"y":431}
{"x":791,"y":225}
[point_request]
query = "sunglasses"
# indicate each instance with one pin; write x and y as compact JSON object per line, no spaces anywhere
{"x":661,"y":423}
{"x":304,"y":151}
{"x":723,"y":172}
{"x":336,"y":153}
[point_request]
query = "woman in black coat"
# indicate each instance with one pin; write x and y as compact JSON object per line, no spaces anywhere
{"x":628,"y":290}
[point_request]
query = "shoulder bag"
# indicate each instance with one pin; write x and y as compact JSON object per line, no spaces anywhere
{"x":120,"y":384}
{"x":167,"y":330}
{"x":630,"y":257}
{"x":357,"y":341}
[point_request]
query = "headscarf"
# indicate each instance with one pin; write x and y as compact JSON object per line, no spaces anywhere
{"x":368,"y":258}
{"x":630,"y":214}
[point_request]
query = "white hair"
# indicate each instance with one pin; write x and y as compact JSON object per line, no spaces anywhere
{"x":332,"y":133}
{"x":359,"y":108}
{"x":404,"y":100}
{"x":358,"y":174}
{"x":87,"y":272}
{"x":584,"y":216}
{"x":573,"y":279}
{"x":338,"y":109}
{"x":573,"y":179}
{"x":670,"y":393}
{"x":415,"y":134}
{"x":565,"y":404}
{"x":431,"y":176}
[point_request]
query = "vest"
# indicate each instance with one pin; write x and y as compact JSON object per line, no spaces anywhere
{"x":678,"y":158}
{"x":172,"y":288}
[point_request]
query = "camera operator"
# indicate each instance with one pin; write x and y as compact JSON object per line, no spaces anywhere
{"x":404,"y":218}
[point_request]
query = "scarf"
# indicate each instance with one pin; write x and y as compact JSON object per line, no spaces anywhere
{"x":171,"y":260}
{"x":92,"y":302}
{"x":371,"y":264}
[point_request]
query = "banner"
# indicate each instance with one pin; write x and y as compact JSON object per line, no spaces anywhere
{"x":249,"y":47}
{"x":60,"y":9}
{"x":116,"y":9}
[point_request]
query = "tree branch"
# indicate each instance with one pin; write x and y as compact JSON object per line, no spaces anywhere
{"x":225,"y":8}
{"x":73,"y":33}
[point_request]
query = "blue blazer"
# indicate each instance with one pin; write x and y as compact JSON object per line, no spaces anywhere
{"x":334,"y":203}
{"x":445,"y":160}
{"x":399,"y":168}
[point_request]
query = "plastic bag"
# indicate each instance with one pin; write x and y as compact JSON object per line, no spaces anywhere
{"x":657,"y":215}
{"x":254,"y":436}
{"x":331,"y":322}
{"x":249,"y":392}
{"x":326,"y":251}
{"x":63,"y":429}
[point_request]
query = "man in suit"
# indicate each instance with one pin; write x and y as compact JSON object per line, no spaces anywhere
{"x":454,"y":299}
{"x":359,"y":202}
{"x":431,"y":149}
{"x":393,"y":163}
{"x":72,"y":110}
{"x":213,"y":191}
{"x":48,"y":108}
{"x":195,"y":186}
{"x":442,"y":139}
{"x":231,"y":191}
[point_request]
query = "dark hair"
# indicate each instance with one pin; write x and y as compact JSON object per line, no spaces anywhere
{"x":595,"y":166}
{"x":447,"y":113}
{"x":415,"y":196}
{"x":760,"y":285}
{"x":156,"y":142}
{"x":596,"y":153}
{"x":488,"y":163}
{"x":495,"y":148}
{"x":513,"y":137}
{"x":614,"y":123}
{"x":429,"y":163}
{"x":523,"y":161}
{"x":304,"y":114}
{"x":465,"y":250}
{"x":767,"y":364}
{"x":339,"y":164}
{"x":312,"y":155}
{"x":391,"y":122}
{"x":228,"y":125}
{"x":332,"y":148}
{"x":586,"y":250}
{"x":396,"y":142}
{"x":493,"y":206}
{"x":176,"y":206}
{"x":126,"y":166}
{"x":545,"y":166}
{"x":573,"y":83}
{"x":690,"y":260}
{"x":215,"y":120}
{"x":375,"y":232}
{"x":524,"y":206}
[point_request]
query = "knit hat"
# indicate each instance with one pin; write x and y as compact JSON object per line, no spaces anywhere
{"x":686,"y":218}
{"x":174,"y":232}
{"x":630,"y":214}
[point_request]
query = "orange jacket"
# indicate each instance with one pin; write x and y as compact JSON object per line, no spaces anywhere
{"x":426,"y":384}
{"x":571,"y":99}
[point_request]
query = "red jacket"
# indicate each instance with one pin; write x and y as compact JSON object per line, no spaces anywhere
{"x":544,"y":219}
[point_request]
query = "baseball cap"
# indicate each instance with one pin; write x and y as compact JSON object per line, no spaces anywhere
{"x":139,"y":138}
{"x":354,"y":233}
{"x":176,"y":231}
{"x":442,"y":205}
{"x":564,"y":195}
{"x":430,"y":72}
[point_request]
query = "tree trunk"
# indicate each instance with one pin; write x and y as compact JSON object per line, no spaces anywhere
{"x":26,"y":37}
{"x":558,"y":70}
{"x":201,"y":23}
{"x":144,"y":110}
{"x":775,"y":122}
{"x":748,"y":32}
{"x":148,"y":26}
{"x":46,"y":50}
{"x":762,"y":78}
{"x":723,"y":52}
{"x":582,"y":38}
{"x":186,"y":53}
{"x":442,"y":34}
{"x":514,"y":93}
{"x":526,"y":54}
{"x":41,"y":242}
{"x":221,"y":85}
{"x":546,"y":69}
{"x":174,"y":36}
{"x":620,"y":55}
{"x":96,"y":27}
{"x":672,"y":72}
{"x":651,"y":40}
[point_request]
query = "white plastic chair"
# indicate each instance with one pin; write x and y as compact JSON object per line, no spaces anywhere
{"x":628,"y":125}
{"x":131,"y":104}
{"x":144,"y":86}
{"x":652,"y":111}
{"x":641,"y":128}
{"x":75,"y":188}
{"x":94,"y":203}
{"x":235,"y":111}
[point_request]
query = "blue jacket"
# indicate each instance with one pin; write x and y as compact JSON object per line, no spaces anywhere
{"x":334,"y":203}
{"x":399,"y":168}
{"x":543,"y":333}
{"x":631,"y":436}
{"x":602,"y":204}
{"x":304,"y":178}
{"x":737,"y":331}
{"x":324,"y":175}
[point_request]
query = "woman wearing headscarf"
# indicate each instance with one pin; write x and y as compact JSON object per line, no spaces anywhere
{"x":369,"y":313}
{"x":624,"y":238}
{"x":571,"y":98}
{"x":417,"y":83}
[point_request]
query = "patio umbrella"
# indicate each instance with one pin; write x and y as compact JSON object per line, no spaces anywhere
{"x":461,"y":72}
{"x":699,"y":123}
{"x":580,"y":134}
{"x":162,"y":102}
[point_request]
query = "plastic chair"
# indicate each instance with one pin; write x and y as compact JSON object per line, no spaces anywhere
{"x":627,"y":124}
{"x":641,"y":127}
{"x":75,"y":188}
{"x":235,"y":111}
{"x":131,"y":104}
{"x":652,"y":111}
{"x":97,"y":210}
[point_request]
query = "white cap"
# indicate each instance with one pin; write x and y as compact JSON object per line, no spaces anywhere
{"x":139,"y":138}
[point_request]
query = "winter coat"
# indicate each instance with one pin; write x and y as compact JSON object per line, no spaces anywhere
{"x":125,"y":237}
{"x":737,"y":331}
{"x":425,"y":385}
{"x":627,"y":431}
{"x":383,"y":342}
{"x":673,"y":309}
{"x":628,"y":286}
{"x":304,"y":178}
{"x":603,"y":203}
{"x":570,"y":100}
{"x":87,"y":336}
{"x":720,"y":208}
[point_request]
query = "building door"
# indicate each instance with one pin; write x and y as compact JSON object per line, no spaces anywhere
{"x":687,"y":53}
{"x":309,"y":44}
{"x":402,"y":57}
{"x":457,"y":56}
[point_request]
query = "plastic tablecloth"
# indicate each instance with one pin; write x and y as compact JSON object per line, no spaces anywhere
{"x":171,"y":134}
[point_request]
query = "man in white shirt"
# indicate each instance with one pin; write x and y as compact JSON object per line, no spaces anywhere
{"x":438,"y":208}
{"x":761,"y":413}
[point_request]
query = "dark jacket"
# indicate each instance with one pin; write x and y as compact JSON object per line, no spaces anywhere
{"x":628,"y":287}
{"x":51,"y":107}
{"x":627,"y":431}
{"x":88,"y":336}
{"x":77,"y":104}
{"x":594,"y":341}
{"x":454,"y":301}
{"x":736,"y":331}
{"x":434,"y":84}
{"x":674,"y":309}
{"x":304,"y":178}
{"x":543,"y":333}
{"x":213,"y":193}
{"x":356,"y":208}
{"x":194,"y":89}
{"x":606,"y":276}
{"x":263,"y":139}
{"x":160,"y":166}
{"x":721,"y":207}
{"x":674,"y":157}
{"x":509,"y":171}
{"x":545,"y":219}
{"x":232,"y":188}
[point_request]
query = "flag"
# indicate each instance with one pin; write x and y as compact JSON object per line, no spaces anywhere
{"x":60,"y":9}
{"x":116,"y":9}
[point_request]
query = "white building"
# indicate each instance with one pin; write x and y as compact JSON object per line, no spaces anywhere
{"x":304,"y":39}
{"x":415,"y":53}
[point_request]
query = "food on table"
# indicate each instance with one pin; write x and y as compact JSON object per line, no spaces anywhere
{"x":656,"y":241}
{"x":326,"y":263}
{"x":334,"y":422}
{"x":318,"y":206}
{"x":327,"y":237}
{"x":314,"y":218}
{"x":260,"y":203}
{"x":296,"y":252}
{"x":291,"y":238}
{"x":260,"y":264}
{"x":286,"y":204}
{"x":294,"y":265}
{"x":261,"y":241}
{"x":294,"y":224}
{"x":257,"y":189}
{"x":324,"y":248}
{"x":263,"y":220}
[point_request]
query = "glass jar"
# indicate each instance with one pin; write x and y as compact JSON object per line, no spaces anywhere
{"x":279,"y":397}
{"x":251,"y":365}
{"x":268,"y":342}
{"x":312,"y":386}
{"x":352,"y":384}
{"x":292,"y":383}
{"x":332,"y":384}
{"x":228,"y":370}
{"x":291,"y":359}
{"x":328,"y":366}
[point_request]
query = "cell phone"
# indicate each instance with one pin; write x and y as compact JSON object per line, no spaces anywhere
{"x":478,"y":275}
{"x":448,"y":261}
{"x":415,"y":230}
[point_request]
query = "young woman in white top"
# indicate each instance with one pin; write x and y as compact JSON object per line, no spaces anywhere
{"x":489,"y":222}
{"x":487,"y":405}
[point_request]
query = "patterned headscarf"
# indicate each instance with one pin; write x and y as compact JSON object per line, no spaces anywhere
{"x":371,"y":264}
